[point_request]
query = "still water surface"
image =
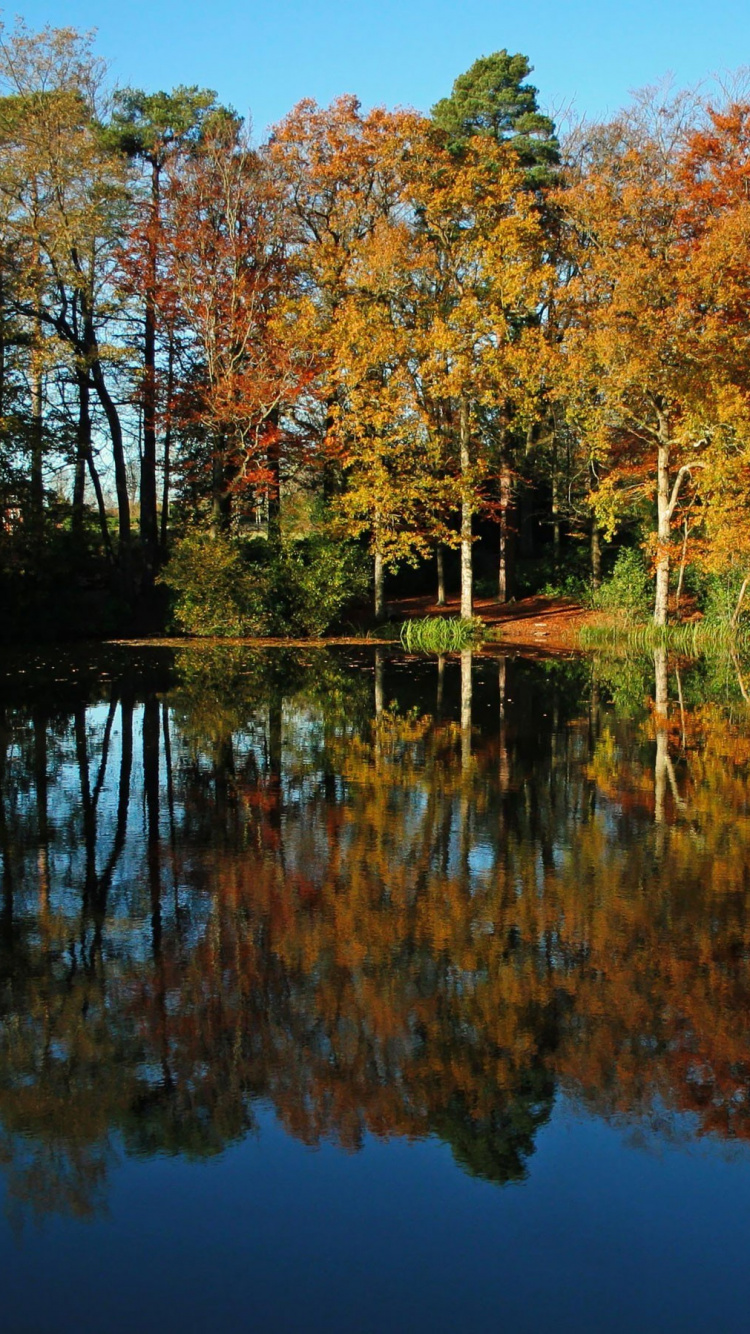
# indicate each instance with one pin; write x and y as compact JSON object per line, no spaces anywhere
{"x":348,"y":992}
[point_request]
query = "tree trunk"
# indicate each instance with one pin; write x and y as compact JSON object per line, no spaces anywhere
{"x":83,"y":448}
{"x":525,"y":510}
{"x":504,"y":559}
{"x":379,"y":686}
{"x":466,"y":692}
{"x":379,"y":587}
{"x":661,"y":599}
{"x":740,"y":600}
{"x":503,"y":757}
{"x":41,"y":785}
{"x":273,"y":463}
{"x":683,"y":563}
{"x":37,"y":437}
{"x":467,"y":510}
{"x":148,"y":523}
{"x":164,"y":533}
{"x":596,"y":554}
{"x":2,"y":344}
{"x":118,"y":459}
{"x":221,"y":500}
{"x":555,"y":516}
{"x":85,"y":459}
{"x":440,"y":559}
{"x":661,"y":764}
{"x":150,"y":737}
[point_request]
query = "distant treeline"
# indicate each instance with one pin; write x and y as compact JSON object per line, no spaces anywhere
{"x":375,"y":339}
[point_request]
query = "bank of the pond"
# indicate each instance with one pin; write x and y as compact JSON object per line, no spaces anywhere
{"x":552,"y":623}
{"x":536,"y":623}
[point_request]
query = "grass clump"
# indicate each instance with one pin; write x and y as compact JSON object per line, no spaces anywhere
{"x":691,"y":640}
{"x":440,"y":634}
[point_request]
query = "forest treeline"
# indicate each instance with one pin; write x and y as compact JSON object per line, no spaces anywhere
{"x":256,"y":378}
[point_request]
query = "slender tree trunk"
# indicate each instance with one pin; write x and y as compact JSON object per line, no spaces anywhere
{"x":221,"y":500}
{"x":740,"y":600}
{"x":331,"y":471}
{"x":2,"y":343}
{"x":555,"y":515}
{"x":661,"y":599}
{"x":148,"y":522}
{"x":379,"y":686}
{"x":379,"y":586}
{"x":83,"y":448}
{"x":273,"y":463}
{"x":118,"y":459}
{"x":661,"y":706}
{"x":467,"y":510}
{"x":504,"y":560}
{"x":6,"y":915}
{"x":85,"y":458}
{"x":466,"y":693}
{"x":164,"y":534}
{"x":503,"y":759}
{"x":37,"y":435}
{"x":596,"y":554}
{"x":151,"y":732}
{"x":88,"y":809}
{"x":525,"y":511}
{"x":440,"y":559}
{"x":41,"y":785}
{"x":683,"y":563}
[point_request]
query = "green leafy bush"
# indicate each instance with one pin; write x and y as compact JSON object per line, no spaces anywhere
{"x":314,"y":581}
{"x":224,"y":587}
{"x":629,"y":587}
{"x":216,"y":590}
{"x":720,"y":595}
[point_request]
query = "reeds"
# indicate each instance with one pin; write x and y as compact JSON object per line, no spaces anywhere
{"x":440,"y":634}
{"x":699,"y":637}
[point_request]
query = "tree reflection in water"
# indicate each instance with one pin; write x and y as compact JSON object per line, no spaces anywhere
{"x":403,"y":899}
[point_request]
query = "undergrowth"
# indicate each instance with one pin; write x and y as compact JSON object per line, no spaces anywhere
{"x":440,"y":634}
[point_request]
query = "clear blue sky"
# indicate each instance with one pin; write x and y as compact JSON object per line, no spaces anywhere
{"x":262,"y":58}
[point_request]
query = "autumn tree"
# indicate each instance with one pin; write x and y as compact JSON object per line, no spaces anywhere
{"x":630,"y":344}
{"x":714,"y":172}
{"x":154,"y":130}
{"x":65,"y":197}
{"x":227,"y":279}
{"x":480,"y":278}
{"x":491,"y":100}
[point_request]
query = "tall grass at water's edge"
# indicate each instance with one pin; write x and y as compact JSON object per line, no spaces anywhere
{"x":693,"y":639}
{"x":440,"y":634}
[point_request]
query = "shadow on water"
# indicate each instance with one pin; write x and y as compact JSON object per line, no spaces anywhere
{"x":387,"y":895}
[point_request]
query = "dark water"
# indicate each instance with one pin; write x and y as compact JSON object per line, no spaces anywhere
{"x":349,"y":994}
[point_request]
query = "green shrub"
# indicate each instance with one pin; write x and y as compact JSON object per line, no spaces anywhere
{"x":629,"y":588}
{"x":216,"y":591}
{"x":314,"y":581}
{"x":225,"y":587}
{"x":720,"y":596}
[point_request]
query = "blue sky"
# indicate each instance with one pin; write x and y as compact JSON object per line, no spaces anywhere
{"x":262,"y":58}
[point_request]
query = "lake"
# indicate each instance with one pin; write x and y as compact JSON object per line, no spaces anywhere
{"x":347,"y":991}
